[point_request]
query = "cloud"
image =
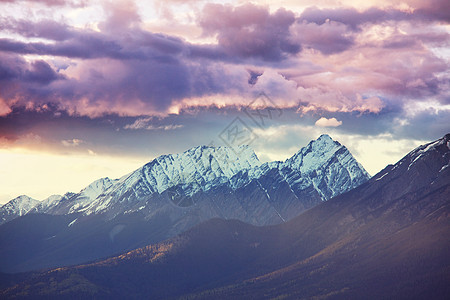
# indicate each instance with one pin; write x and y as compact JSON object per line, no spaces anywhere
{"x":329,"y":37}
{"x":432,"y":9}
{"x":41,"y":72}
{"x":154,"y":80}
{"x":131,"y":73}
{"x":250,"y":30}
{"x":48,"y":29}
{"x":121,"y":15}
{"x":4,"y":108}
{"x":91,"y":45}
{"x":352,"y":61}
{"x":67,"y":41}
{"x":419,"y":11}
{"x":23,"y":82}
{"x":254,"y":75}
{"x":50,"y":3}
{"x":72,"y":142}
{"x":146,"y":123}
{"x":324,"y":122}
{"x":315,"y":95}
{"x":352,"y":17}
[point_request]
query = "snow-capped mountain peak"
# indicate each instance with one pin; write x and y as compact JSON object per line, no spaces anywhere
{"x":196,"y":169}
{"x":203,"y":165}
{"x":428,"y":149}
{"x":47,"y":204}
{"x":17,"y":207}
{"x":316,"y":152}
{"x":87,"y":196}
{"x":96,"y":188}
{"x":21,"y":204}
{"x":329,"y":165}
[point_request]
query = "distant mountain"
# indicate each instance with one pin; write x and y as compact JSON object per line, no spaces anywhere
{"x":46,"y":205}
{"x":173,"y":193}
{"x":17,"y":207}
{"x":388,"y":238}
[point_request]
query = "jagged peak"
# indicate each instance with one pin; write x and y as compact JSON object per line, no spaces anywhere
{"x":325,"y":139}
{"x":53,"y":198}
{"x":242,"y":149}
{"x":324,"y":136}
{"x":442,"y":145}
{"x":316,"y":151}
{"x":323,"y":143}
{"x":200,"y":165}
{"x":431,"y":146}
{"x":97,"y":187}
{"x":48,"y":202}
{"x":22,"y":198}
{"x":20,"y":205}
{"x":445,"y":140}
{"x":223,"y":155}
{"x":99,"y":184}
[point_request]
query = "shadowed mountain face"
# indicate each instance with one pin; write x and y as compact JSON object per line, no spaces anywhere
{"x":388,"y":238}
{"x":170,"y":195}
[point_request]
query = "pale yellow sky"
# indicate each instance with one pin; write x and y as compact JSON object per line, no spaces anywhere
{"x":39,"y":174}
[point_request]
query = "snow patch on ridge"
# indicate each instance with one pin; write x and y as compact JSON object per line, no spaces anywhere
{"x":20,"y":205}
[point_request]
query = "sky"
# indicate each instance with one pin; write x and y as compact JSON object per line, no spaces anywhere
{"x":92,"y":89}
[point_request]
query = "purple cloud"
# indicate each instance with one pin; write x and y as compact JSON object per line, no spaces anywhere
{"x":432,"y":10}
{"x":72,"y":3}
{"x":417,"y":40}
{"x":47,"y":29}
{"x":329,"y":37}
{"x":127,"y":69}
{"x":88,"y":44}
{"x":429,"y":11}
{"x":250,"y":31}
{"x":24,"y":82}
{"x":350,"y":16}
{"x":42,"y":73}
{"x":85,"y":46}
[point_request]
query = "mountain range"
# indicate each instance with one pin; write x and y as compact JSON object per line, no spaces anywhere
{"x":387,"y":238}
{"x":317,"y":172}
{"x":168,"y":196}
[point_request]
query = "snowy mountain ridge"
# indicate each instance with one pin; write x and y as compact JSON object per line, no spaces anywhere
{"x":17,"y":207}
{"x":202,"y":167}
{"x":319,"y":164}
{"x":324,"y":168}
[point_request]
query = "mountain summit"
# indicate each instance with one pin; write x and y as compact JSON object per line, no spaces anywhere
{"x":17,"y":207}
{"x":330,"y":165}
